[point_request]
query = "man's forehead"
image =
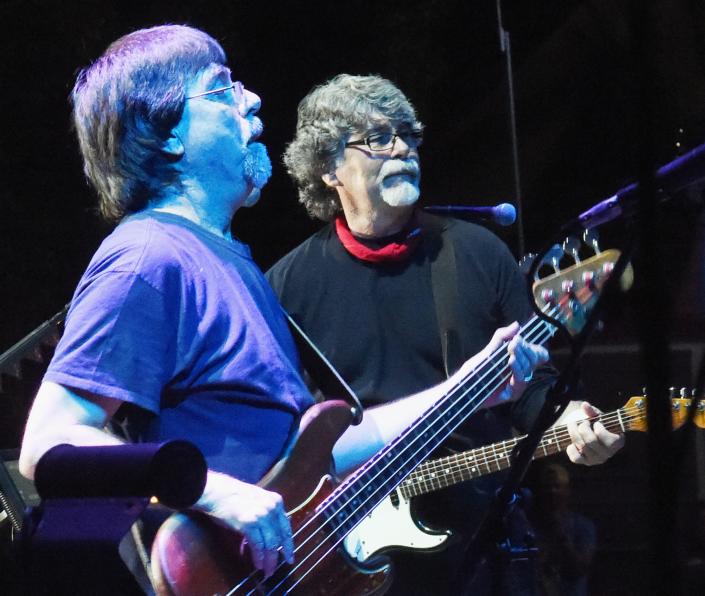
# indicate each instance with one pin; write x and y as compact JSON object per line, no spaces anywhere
{"x":380,"y":122}
{"x":215,"y":74}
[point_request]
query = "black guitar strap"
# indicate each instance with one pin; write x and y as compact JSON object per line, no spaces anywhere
{"x":322,"y":372}
{"x":444,"y":281}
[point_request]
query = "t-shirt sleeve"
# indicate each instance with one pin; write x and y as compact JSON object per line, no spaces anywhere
{"x":119,"y":340}
{"x":274,"y":276}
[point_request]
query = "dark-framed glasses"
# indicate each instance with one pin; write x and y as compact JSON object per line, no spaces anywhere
{"x":231,"y":94}
{"x":384,"y":141}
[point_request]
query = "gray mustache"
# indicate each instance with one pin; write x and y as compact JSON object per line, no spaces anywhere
{"x":394,"y":168}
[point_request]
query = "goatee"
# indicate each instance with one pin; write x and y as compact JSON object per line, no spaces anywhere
{"x":257,"y":165}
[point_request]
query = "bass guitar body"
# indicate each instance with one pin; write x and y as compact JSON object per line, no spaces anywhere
{"x":193,"y":554}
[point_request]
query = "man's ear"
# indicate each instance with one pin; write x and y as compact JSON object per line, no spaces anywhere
{"x":173,"y":146}
{"x":330,"y":179}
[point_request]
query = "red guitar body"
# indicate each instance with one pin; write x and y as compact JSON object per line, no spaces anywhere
{"x":194,"y":555}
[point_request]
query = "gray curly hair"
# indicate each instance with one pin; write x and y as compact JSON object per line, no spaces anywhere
{"x":327,"y":116}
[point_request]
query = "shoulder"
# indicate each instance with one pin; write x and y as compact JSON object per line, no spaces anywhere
{"x":302,"y":259}
{"x":146,"y":251}
{"x":471,"y":233}
{"x":138,"y":239}
{"x":470,"y":240}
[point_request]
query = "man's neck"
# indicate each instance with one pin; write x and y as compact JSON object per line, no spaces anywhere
{"x":377,"y":223}
{"x":210,"y":213}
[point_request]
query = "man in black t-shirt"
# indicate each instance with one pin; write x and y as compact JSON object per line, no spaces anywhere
{"x":398,"y":299}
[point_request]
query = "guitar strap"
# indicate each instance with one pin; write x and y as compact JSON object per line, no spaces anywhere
{"x":322,"y":372}
{"x":444,"y":281}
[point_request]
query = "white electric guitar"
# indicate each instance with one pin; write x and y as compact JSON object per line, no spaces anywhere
{"x":391,"y":524}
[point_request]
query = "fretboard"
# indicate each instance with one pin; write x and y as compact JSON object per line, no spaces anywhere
{"x":359,"y":494}
{"x":440,"y":473}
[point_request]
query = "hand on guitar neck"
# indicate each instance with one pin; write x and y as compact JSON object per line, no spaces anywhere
{"x":518,"y":356}
{"x":592,"y":443}
{"x":524,"y":358}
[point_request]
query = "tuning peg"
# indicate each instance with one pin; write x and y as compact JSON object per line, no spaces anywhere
{"x":684,"y":392}
{"x":571,"y":245}
{"x":591,"y":237}
{"x":526,"y":262}
{"x":553,"y":257}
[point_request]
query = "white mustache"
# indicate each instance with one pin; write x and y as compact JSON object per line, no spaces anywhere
{"x":399,"y":167}
{"x":256,"y":128}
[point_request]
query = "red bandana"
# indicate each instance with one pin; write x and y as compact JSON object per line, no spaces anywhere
{"x":394,"y":251}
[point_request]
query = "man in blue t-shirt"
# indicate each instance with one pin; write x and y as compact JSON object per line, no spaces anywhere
{"x":172,"y":318}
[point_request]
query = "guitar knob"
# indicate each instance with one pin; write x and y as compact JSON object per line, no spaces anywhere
{"x":589,"y":279}
{"x":571,"y":246}
{"x":591,"y":238}
{"x":553,"y":257}
{"x":526,"y":261}
{"x":567,"y":286}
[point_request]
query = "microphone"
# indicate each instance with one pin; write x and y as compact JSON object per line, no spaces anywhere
{"x":504,"y":214}
{"x":677,"y":175}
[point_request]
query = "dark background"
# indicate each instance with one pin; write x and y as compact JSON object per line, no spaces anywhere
{"x":589,"y":95}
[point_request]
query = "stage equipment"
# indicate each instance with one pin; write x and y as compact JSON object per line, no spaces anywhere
{"x":504,"y":214}
{"x":81,"y":536}
{"x":675,"y":176}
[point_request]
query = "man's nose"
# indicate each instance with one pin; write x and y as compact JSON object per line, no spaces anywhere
{"x":401,"y":147}
{"x":252,"y":103}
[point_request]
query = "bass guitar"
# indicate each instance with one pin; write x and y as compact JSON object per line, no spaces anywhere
{"x":193,"y":554}
{"x":391,"y":524}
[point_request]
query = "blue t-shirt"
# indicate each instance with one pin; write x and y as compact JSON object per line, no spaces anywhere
{"x":182,"y":323}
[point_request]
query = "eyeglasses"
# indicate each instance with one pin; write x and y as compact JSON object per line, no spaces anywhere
{"x":384,"y":141}
{"x":238,"y":91}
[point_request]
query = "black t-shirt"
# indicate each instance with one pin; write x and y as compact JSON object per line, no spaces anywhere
{"x":377,"y":324}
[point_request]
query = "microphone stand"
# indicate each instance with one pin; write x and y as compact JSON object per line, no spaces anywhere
{"x":490,"y":531}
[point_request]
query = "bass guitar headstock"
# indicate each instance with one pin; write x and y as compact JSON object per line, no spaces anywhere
{"x":568,"y":294}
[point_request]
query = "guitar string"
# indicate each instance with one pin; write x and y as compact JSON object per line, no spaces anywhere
{"x":487,"y":454}
{"x":448,"y":397}
{"x":628,"y":415}
{"x":315,"y":562}
{"x":378,"y":489}
{"x":538,"y":326}
{"x":457,"y":467}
